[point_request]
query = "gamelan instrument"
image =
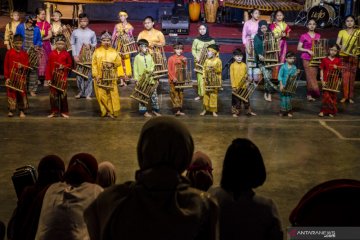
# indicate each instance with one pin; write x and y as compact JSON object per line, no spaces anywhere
{"x":245,"y":90}
{"x":211,"y":7}
{"x":352,"y":45}
{"x":59,"y":76}
{"x":211,"y":79}
{"x":125,"y":44}
{"x":199,"y":65}
{"x":334,"y":80}
{"x":183,"y":75}
{"x":319,"y":48}
{"x":161,"y":68}
{"x":144,"y":88}
{"x":34,"y":56}
{"x":271,"y":50}
{"x":18,"y":75}
{"x":83,"y":67}
{"x":108,"y":76}
{"x":67,"y":31}
{"x":292,"y":83}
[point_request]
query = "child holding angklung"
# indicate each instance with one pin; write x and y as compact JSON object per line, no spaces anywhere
{"x":329,"y":98}
{"x":177,"y":67}
{"x":212,"y":64}
{"x":61,"y":59}
{"x":10,"y":29}
{"x":287,"y":71}
{"x":14,"y":58}
{"x":238,"y":71}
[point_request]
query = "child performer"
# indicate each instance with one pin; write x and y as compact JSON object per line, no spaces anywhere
{"x":328,"y":103}
{"x":13,"y":56}
{"x":237,"y":73}
{"x":281,"y":31}
{"x":79,"y":37}
{"x":210,"y":100}
{"x":286,"y":70}
{"x":31,"y":38}
{"x":351,"y":62}
{"x":259,"y":58}
{"x":125,"y":72}
{"x":58,"y":58}
{"x":56,"y":27}
{"x":143,"y":62}
{"x":10,"y":29}
{"x":177,"y":61}
{"x":109,"y":100}
{"x":305,"y":45}
{"x":203,"y":40}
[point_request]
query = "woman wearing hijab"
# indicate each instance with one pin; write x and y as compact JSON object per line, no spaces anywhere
{"x":199,"y":45}
{"x":106,"y":174}
{"x":64,"y":202}
{"x":243,"y":213}
{"x":259,"y":58}
{"x":160,"y":204}
{"x":200,"y":171}
{"x":51,"y":169}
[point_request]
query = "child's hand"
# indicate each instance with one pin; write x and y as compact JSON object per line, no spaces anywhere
{"x":335,"y":66}
{"x":7,"y":81}
{"x":261,"y":58}
{"x":310,"y":52}
{"x":281,"y":88}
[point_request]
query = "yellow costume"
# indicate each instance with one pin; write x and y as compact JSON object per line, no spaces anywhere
{"x":120,"y":29}
{"x":109,"y":100}
{"x":153,"y":37}
{"x":237,"y":73}
{"x":210,"y":100}
{"x":10,"y":29}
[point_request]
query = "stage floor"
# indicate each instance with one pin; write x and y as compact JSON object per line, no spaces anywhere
{"x":299,"y":153}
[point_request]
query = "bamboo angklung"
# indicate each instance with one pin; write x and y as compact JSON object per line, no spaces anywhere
{"x":271,"y":50}
{"x":108,"y":75}
{"x":292,"y":83}
{"x":126,"y":44}
{"x":144,"y":89}
{"x":211,"y":80}
{"x":199,"y":65}
{"x":34,"y":56}
{"x":245,"y":90}
{"x":160,"y":61}
{"x":183,"y":75}
{"x":319,"y":48}
{"x":58,"y":80}
{"x":18,"y":75}
{"x":334,"y":81}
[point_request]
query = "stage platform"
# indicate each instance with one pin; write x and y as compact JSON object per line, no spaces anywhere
{"x":299,"y":152}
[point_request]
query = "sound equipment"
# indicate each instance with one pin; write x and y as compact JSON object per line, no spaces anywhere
{"x":175,"y":24}
{"x":23,"y":177}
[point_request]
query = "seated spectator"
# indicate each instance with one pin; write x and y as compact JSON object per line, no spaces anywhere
{"x":64,"y":202}
{"x":200,"y":171}
{"x":332,"y":203}
{"x":160,"y":204}
{"x":243,"y":213}
{"x":106,"y":174}
{"x":25,"y":219}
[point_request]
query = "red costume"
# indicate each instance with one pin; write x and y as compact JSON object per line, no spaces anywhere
{"x":329,"y":99}
{"x":176,"y":95}
{"x":55,"y":59}
{"x":15,"y":97}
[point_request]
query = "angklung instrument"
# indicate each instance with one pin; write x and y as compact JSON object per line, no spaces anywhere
{"x":35,"y":54}
{"x":211,"y":79}
{"x":83,"y":67}
{"x":319,"y":48}
{"x":199,"y":65}
{"x":144,"y":88}
{"x":183,"y":75}
{"x":18,"y":75}
{"x":161,"y":68}
{"x":245,"y":90}
{"x":292,"y":83}
{"x":108,"y":76}
{"x":271,"y":50}
{"x":59,"y":76}
{"x":334,"y":80}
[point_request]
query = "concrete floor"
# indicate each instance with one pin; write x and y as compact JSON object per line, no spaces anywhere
{"x":299,"y":153}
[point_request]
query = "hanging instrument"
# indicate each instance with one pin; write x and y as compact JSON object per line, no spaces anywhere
{"x":211,"y":79}
{"x":67,"y":31}
{"x":18,"y":75}
{"x":125,"y":44}
{"x":199,"y":65}
{"x":292,"y":83}
{"x":144,"y":88}
{"x":183,"y":75}
{"x":334,"y":81}
{"x":59,"y":76}
{"x":35,"y":54}
{"x":161,"y":68}
{"x":83,"y":67}
{"x":319,"y":48}
{"x":108,"y":76}
{"x":271,"y":50}
{"x":245,"y":90}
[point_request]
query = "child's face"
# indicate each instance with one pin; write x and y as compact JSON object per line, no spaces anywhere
{"x":83,"y":22}
{"x":256,"y":15}
{"x":106,"y":43}
{"x":143,"y":49}
{"x":210,"y":54}
{"x":279,"y":16}
{"x":29,"y":23}
{"x":290,"y":60}
{"x":148,"y":24}
{"x":122,"y":18}
{"x":333,"y":51}
{"x":238,"y":58}
{"x":349,"y":22}
{"x":56,"y":17}
{"x":60,"y":45}
{"x":17,"y":45}
{"x":202,"y":30}
{"x":263,"y":28}
{"x":41,"y":15}
{"x":311,"y":25}
{"x":178,"y":51}
{"x":15,"y":16}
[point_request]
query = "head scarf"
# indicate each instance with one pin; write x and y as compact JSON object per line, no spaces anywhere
{"x":206,"y":37}
{"x":106,"y":174}
{"x":200,"y":171}
{"x":105,"y":35}
{"x":262,"y":23}
{"x":51,"y":169}
{"x":165,"y":141}
{"x":82,"y":167}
